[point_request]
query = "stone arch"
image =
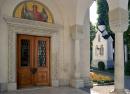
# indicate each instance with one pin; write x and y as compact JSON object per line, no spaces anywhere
{"x":129,"y":4}
{"x":8,"y":7}
{"x":85,"y":41}
{"x":85,"y":50}
{"x":6,"y":11}
{"x":129,"y":12}
{"x":42,"y":9}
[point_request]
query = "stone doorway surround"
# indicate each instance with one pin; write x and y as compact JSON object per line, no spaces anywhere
{"x":30,"y":27}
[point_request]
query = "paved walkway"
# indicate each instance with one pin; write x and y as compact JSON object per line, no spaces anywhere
{"x":105,"y":89}
{"x":49,"y":90}
{"x":65,"y":90}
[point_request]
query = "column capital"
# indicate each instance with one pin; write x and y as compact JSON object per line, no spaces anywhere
{"x":77,"y":31}
{"x":118,"y":20}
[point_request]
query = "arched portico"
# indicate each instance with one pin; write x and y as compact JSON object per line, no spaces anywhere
{"x":73,"y":55}
{"x":8,"y":79}
{"x":118,"y":24}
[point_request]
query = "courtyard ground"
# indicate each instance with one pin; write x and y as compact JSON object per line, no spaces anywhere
{"x":66,"y":90}
{"x":105,"y":89}
{"x":49,"y":90}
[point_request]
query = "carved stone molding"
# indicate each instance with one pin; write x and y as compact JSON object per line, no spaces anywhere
{"x":118,"y":19}
{"x":23,"y":26}
{"x":25,"y":23}
{"x":77,"y":32}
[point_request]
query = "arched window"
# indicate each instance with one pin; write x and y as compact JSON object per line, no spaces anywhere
{"x":96,"y":50}
{"x":33,"y":10}
{"x":99,"y":39}
{"x":101,"y":50}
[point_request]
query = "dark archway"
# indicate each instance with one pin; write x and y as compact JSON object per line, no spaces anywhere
{"x":101,"y":65}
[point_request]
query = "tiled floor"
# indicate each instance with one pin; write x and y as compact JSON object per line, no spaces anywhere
{"x":49,"y":90}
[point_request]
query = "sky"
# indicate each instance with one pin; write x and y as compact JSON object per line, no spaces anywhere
{"x":93,"y":13}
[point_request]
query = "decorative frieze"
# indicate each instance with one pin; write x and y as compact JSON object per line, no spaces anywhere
{"x":118,"y":19}
{"x":25,"y":23}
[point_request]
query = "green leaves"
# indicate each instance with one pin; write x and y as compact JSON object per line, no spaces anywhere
{"x":102,"y":11}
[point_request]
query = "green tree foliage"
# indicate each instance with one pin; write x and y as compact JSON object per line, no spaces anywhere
{"x":102,"y":11}
{"x":127,"y":41}
{"x":92,"y":31}
{"x":92,"y":36}
{"x":127,"y":68}
{"x":127,"y":33}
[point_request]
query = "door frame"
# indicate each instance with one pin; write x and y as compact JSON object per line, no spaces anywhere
{"x":20,"y":26}
{"x":31,"y":37}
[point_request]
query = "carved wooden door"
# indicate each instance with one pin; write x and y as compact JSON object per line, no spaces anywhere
{"x":33,"y":68}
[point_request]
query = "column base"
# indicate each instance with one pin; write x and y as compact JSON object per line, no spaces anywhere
{"x":77,"y":83}
{"x":12,"y":86}
{"x":55,"y":83}
{"x":118,"y":91}
{"x":88,"y":83}
{"x":3,"y":87}
{"x":63,"y":82}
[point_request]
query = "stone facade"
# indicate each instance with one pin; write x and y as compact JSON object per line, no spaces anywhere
{"x":62,"y":60}
{"x":102,"y":49}
{"x":65,"y":66}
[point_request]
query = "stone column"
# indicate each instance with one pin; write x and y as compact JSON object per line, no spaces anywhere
{"x":119,"y":24}
{"x":119,"y":63}
{"x":76,"y":82}
{"x":77,"y":58}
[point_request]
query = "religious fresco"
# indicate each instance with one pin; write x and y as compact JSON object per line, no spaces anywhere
{"x":33,"y":10}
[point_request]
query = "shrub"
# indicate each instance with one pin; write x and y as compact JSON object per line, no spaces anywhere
{"x":101,"y":79}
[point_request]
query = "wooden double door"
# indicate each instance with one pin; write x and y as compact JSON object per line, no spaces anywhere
{"x":33,"y":63}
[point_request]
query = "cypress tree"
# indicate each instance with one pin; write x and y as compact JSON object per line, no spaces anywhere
{"x":102,"y":11}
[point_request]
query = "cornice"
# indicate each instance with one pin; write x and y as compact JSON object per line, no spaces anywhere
{"x":25,"y":23}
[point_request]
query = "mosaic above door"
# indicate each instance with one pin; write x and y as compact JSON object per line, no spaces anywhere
{"x":33,"y":10}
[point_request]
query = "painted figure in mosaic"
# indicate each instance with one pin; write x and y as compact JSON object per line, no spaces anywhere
{"x":44,"y":15}
{"x":34,"y":14}
{"x":26,"y":13}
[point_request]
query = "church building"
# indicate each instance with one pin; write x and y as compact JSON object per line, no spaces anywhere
{"x":102,"y":50}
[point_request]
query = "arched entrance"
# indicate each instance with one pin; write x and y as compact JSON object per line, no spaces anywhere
{"x":33,"y":52}
{"x":23,"y":77}
{"x":101,"y":66}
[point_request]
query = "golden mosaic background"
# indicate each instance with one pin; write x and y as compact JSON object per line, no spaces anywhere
{"x":18,"y":9}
